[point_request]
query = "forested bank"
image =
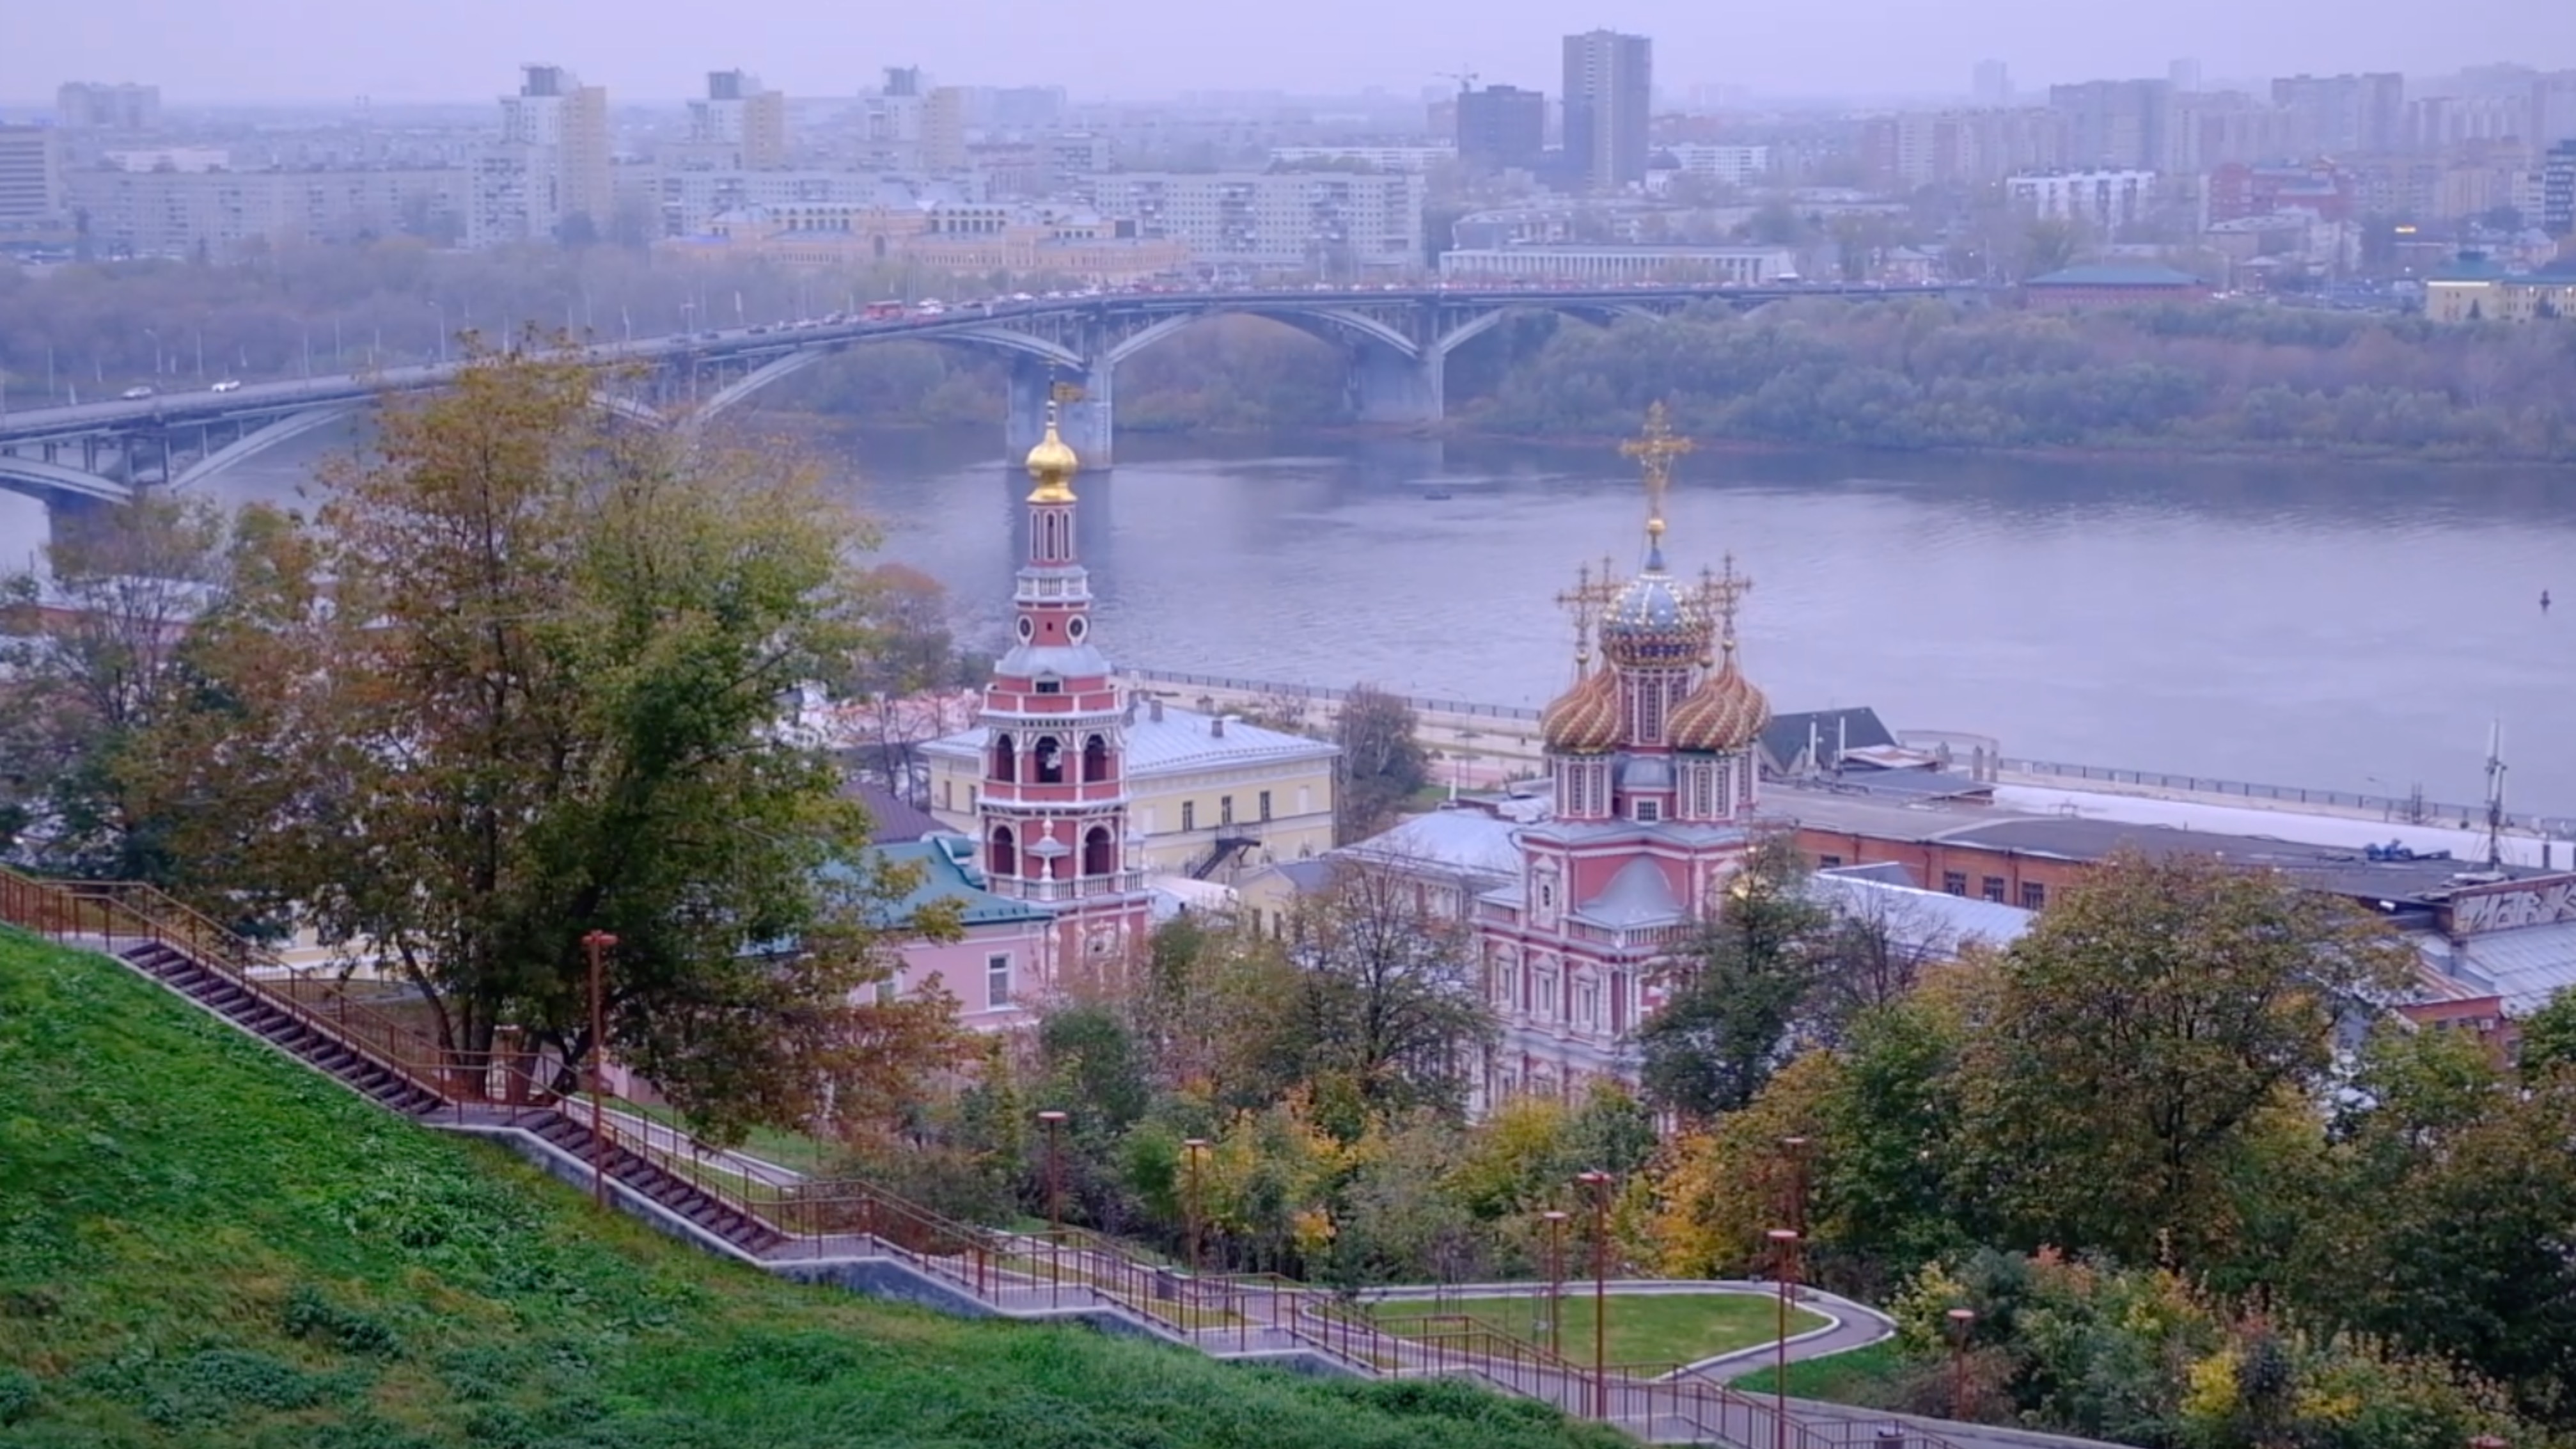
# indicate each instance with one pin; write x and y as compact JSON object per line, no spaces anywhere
{"x":1822,"y":372}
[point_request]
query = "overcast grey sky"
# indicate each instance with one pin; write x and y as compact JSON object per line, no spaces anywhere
{"x":423,"y":50}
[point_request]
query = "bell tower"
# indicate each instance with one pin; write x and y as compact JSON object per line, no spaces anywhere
{"x":1051,"y":809}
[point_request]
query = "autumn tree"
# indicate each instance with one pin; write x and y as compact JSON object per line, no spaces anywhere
{"x":2143,"y":1032}
{"x":1382,"y":763}
{"x":1389,"y":996}
{"x":90,"y":661}
{"x":521,"y":680}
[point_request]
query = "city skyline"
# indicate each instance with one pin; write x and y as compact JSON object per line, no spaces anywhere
{"x":1137,"y":49}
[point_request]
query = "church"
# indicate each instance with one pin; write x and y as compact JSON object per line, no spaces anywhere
{"x":1651,"y":756}
{"x":1651,"y":759}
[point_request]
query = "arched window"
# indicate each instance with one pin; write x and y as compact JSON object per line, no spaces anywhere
{"x":1006,"y":759}
{"x":1099,"y":852}
{"x":1050,"y":760}
{"x":1006,"y":854}
{"x":1095,"y":759}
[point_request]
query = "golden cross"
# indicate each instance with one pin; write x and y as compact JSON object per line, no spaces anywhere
{"x":1592,"y":591}
{"x":1065,"y":392}
{"x":1655,"y":452}
{"x":1722,"y":593}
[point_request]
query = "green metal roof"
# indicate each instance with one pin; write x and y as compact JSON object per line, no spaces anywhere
{"x":945,"y":863}
{"x":2109,"y":274}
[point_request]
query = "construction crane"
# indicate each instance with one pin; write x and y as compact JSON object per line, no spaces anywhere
{"x":1466,"y":79}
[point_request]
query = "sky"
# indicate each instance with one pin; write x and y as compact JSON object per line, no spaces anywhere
{"x":228,"y":51}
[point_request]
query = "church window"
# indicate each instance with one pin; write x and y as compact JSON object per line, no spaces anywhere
{"x":1050,"y":686}
{"x":1049,"y":757}
{"x":1099,"y":852}
{"x":1006,"y":759}
{"x":1649,"y":811}
{"x":1005,"y":858}
{"x":1095,"y":759}
{"x":1587,"y":1007}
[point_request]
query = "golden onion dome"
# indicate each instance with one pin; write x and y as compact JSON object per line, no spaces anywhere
{"x":1053,"y":465}
{"x":1722,"y":716}
{"x":1585,"y":719}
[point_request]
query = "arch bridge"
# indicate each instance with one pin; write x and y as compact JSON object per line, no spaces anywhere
{"x":1396,"y":340}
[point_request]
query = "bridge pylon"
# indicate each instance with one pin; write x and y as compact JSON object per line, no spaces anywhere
{"x":1086,"y":407}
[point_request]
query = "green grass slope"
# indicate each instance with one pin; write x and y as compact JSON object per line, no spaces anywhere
{"x":203,"y":1244}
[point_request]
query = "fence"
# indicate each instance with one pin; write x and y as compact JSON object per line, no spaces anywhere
{"x":2411,"y":809}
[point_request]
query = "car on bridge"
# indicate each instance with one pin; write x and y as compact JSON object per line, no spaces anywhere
{"x":132,"y":394}
{"x":230,"y":384}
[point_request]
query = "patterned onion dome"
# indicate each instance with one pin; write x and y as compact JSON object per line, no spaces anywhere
{"x":1585,"y":719}
{"x":1654,"y":623}
{"x":1721,"y":716}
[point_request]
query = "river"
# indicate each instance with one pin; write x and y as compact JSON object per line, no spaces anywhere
{"x":2355,"y":627}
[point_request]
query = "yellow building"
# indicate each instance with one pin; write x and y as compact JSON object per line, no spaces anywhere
{"x":2480,"y":292}
{"x":1209,"y":795}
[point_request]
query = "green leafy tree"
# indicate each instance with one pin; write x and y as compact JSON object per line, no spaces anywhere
{"x":90,"y":661}
{"x":1382,"y":762}
{"x":520,"y":681}
{"x":2549,"y":1037}
{"x":2141,"y":1036}
{"x":1726,"y":1023}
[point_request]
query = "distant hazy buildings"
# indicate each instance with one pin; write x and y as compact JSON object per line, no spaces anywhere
{"x":1914,"y":149}
{"x":1332,"y":224}
{"x":2344,"y":115}
{"x":547,"y":177}
{"x":1728,"y":165}
{"x":2105,"y":200}
{"x":31,"y":174}
{"x":1374,"y":158}
{"x":741,"y":124}
{"x":125,"y":106}
{"x":1609,"y":100}
{"x":1596,"y":265}
{"x":1991,"y":83}
{"x":967,"y":237}
{"x":1501,"y":128}
{"x":2558,"y":190}
{"x":214,"y":214}
{"x":2119,"y":124}
{"x":943,"y":129}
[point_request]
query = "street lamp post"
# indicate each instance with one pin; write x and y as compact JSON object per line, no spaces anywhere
{"x":1599,"y":1184}
{"x":1055,"y":1197}
{"x":1796,"y":1148}
{"x":1784,"y":1247}
{"x":1555,"y":1220}
{"x":442,"y":329}
{"x":1960,"y":1321}
{"x":597,"y":943}
{"x":1190,"y":1208}
{"x":156,"y":352}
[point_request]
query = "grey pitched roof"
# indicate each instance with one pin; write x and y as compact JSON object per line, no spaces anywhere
{"x":1857,"y":728}
{"x":1918,"y":919}
{"x":891,"y":818}
{"x":1182,"y":740}
{"x":1469,"y":842}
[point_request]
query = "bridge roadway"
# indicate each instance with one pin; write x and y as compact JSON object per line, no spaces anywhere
{"x":1395,"y":338}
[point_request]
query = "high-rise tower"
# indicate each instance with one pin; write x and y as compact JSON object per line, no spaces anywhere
{"x":1051,"y":810}
{"x":1609,"y":90}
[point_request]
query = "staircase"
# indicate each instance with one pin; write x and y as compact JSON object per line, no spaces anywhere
{"x":264,"y":1018}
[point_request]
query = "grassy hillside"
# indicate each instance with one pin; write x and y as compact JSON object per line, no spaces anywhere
{"x":203,"y":1244}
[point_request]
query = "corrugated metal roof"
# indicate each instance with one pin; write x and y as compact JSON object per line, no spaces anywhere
{"x":2525,"y":967}
{"x":1925,"y":920}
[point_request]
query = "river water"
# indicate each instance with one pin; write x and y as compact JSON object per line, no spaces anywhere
{"x":2321,"y":624}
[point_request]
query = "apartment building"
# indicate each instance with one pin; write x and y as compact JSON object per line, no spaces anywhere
{"x":1335,"y":224}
